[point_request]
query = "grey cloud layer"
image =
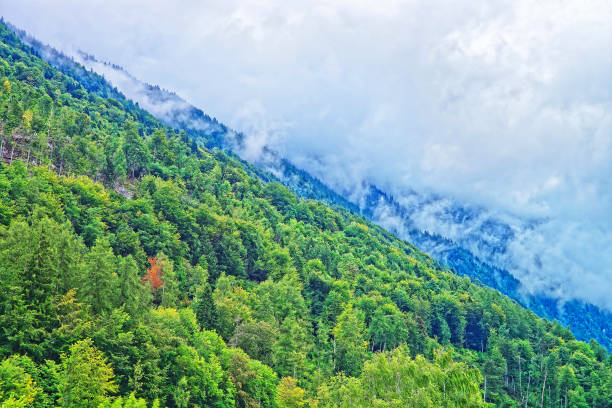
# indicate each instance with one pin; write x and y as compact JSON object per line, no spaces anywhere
{"x":502,"y":104}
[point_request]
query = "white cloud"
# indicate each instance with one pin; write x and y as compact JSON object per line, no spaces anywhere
{"x":503,"y":104}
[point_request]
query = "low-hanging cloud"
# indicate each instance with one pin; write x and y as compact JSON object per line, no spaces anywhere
{"x":504,"y":106}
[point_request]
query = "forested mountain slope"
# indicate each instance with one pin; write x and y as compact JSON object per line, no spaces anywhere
{"x":174,"y":111}
{"x":138,"y":269}
{"x":585,"y":320}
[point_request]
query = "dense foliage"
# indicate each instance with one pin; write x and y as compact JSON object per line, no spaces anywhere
{"x":586,"y":320}
{"x":139,"y":270}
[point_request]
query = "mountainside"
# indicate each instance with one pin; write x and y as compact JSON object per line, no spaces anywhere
{"x":140,"y":269}
{"x":475,"y":255}
{"x":585,"y":320}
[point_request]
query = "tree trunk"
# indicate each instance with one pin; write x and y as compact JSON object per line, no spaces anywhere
{"x":543,"y":386}
{"x":506,"y":374}
{"x":484,"y":397}
{"x":527,"y":395}
{"x":520,"y":377}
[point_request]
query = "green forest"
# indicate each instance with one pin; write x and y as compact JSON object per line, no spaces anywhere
{"x":140,"y":269}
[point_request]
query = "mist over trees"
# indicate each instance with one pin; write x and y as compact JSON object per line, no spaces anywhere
{"x":138,"y":269}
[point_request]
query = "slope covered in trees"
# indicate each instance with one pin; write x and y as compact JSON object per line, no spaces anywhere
{"x":585,"y":320}
{"x":138,"y":269}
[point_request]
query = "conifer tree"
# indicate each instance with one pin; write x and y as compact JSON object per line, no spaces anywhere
{"x":100,"y":288}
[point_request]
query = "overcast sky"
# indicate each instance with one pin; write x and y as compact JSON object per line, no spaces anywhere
{"x":506,"y":104}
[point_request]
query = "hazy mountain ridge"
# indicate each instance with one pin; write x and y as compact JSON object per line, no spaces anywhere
{"x":489,"y":240}
{"x":586,"y":320}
